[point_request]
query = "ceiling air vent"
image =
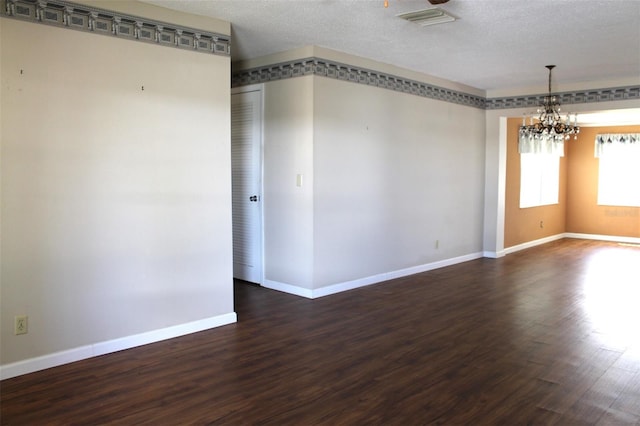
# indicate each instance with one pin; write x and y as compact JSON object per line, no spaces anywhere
{"x":430,"y":16}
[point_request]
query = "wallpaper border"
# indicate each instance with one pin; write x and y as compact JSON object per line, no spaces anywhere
{"x":87,"y":18}
{"x":340,"y":71}
{"x":574,"y":97}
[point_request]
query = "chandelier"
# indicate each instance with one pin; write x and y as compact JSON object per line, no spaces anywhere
{"x":550,"y":125}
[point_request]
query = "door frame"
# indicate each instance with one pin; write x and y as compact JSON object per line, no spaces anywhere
{"x":257,"y":88}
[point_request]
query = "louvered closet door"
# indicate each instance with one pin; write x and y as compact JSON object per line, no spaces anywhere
{"x":246,"y":172}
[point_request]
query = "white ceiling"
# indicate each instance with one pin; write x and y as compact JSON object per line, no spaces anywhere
{"x":494,"y":45}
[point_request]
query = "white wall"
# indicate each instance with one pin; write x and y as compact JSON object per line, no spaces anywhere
{"x":386,"y":175}
{"x":116,"y":204}
{"x":394,"y":173}
{"x":288,"y":208}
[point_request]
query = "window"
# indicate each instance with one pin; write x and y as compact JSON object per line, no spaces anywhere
{"x":539,"y":179}
{"x":618,"y":173}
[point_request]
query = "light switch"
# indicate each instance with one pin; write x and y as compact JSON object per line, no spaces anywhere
{"x":298,"y":180}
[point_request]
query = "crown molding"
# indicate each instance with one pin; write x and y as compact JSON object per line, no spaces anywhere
{"x":87,"y":18}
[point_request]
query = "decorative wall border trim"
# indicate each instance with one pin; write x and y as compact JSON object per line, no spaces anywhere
{"x":577,"y":97}
{"x":339,"y":71}
{"x":354,"y":74}
{"x":99,"y":21}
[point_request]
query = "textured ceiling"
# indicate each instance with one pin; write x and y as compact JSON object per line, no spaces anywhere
{"x":494,"y":45}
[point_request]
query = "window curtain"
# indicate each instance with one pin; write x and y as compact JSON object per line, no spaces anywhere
{"x":618,"y":172}
{"x":614,"y":143}
{"x":527,"y":145}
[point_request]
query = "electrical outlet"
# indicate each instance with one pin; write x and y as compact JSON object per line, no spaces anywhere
{"x":437,"y":243}
{"x":21,"y":324}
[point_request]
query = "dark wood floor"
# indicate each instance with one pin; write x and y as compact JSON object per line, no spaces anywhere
{"x":550,"y":335}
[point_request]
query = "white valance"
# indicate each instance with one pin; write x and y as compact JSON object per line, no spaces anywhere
{"x":527,"y":145}
{"x":610,"y":142}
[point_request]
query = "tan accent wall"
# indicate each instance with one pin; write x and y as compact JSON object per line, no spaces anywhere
{"x":533,"y":223}
{"x":577,"y":211}
{"x":584,"y":215}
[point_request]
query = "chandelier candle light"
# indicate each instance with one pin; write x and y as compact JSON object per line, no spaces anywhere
{"x":550,"y":126}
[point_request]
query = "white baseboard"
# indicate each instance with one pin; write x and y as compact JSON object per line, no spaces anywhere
{"x":493,"y":254}
{"x":101,"y":348}
{"x":533,"y":243}
{"x":288,"y":288}
{"x":362,"y":282}
{"x":613,"y":238}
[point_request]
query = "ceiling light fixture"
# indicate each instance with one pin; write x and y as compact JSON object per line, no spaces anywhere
{"x":551,"y":126}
